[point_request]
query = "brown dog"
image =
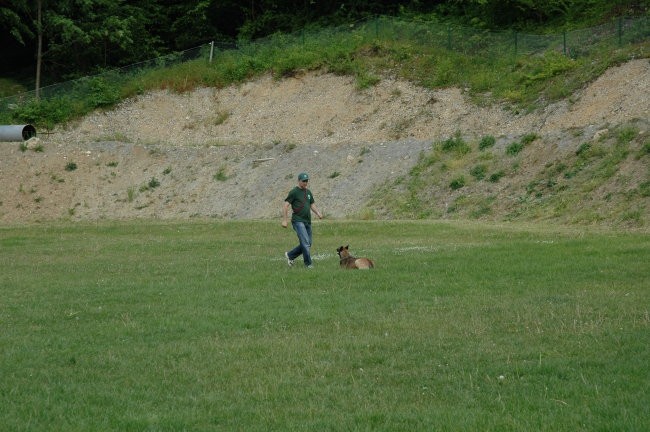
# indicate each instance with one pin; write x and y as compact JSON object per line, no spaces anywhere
{"x":349,"y":262}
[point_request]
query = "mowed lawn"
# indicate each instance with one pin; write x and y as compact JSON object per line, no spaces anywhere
{"x":201,"y":326}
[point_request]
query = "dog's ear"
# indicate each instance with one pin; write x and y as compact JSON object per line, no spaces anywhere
{"x":339,"y":249}
{"x":347,"y":247}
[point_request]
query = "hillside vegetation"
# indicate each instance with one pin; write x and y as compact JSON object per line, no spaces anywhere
{"x":391,"y":127}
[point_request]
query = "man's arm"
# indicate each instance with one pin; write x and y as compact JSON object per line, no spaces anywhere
{"x":315,"y":210}
{"x":285,"y":214}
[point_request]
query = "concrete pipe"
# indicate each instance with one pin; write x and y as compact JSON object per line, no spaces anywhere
{"x":17,"y":132}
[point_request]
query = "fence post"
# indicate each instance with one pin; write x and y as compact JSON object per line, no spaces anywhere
{"x":211,"y":50}
{"x":564,"y":41}
{"x":449,"y":38}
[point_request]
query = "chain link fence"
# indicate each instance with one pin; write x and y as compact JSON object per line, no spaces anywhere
{"x":100,"y":89}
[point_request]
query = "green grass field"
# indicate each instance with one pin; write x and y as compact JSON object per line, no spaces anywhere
{"x":200,"y":326}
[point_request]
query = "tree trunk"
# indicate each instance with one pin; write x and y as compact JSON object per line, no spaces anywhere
{"x":39,"y":53}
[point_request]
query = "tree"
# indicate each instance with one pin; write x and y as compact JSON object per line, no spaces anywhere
{"x":93,"y":34}
{"x":12,"y":18}
{"x":505,"y":13}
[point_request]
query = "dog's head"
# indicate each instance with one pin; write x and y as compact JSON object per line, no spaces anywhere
{"x":343,"y":251}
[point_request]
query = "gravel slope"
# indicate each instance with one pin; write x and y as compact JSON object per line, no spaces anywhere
{"x":235,"y":152}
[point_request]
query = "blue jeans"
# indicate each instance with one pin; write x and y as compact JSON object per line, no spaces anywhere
{"x":304,"y":236}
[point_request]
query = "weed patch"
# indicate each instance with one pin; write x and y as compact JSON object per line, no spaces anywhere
{"x":486,"y":142}
{"x":456,"y":145}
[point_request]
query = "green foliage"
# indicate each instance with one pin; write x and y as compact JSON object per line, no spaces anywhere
{"x":153,"y":183}
{"x":514,"y":148}
{"x":9,"y":87}
{"x":626,"y":134}
{"x":424,"y":163}
{"x":527,"y":13}
{"x":366,"y":80}
{"x":486,"y":142}
{"x":70,"y":166}
{"x":221,"y":174}
{"x":583,"y":149}
{"x":645,"y":149}
{"x":101,"y":93}
{"x":423,"y":50}
{"x":456,"y":144}
{"x":457,"y":183}
{"x":46,"y":113}
{"x":534,"y":69}
{"x":150,"y":185}
{"x":478,"y":172}
{"x":644,"y":189}
{"x":529,"y":138}
{"x":495,"y":177}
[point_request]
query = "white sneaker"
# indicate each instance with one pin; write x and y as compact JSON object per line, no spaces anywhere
{"x":289,"y":260}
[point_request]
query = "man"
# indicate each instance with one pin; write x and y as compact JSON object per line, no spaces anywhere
{"x":301,"y":201}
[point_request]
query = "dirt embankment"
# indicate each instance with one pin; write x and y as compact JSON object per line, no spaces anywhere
{"x":235,"y":152}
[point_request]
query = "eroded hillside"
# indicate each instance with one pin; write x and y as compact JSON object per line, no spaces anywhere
{"x":234,"y":153}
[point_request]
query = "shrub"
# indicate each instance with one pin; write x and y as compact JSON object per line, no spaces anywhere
{"x":478,"y":172}
{"x":45,"y":112}
{"x":220,"y":175}
{"x":153,"y":183}
{"x":455,"y":144}
{"x":102,"y":93}
{"x":514,"y":148}
{"x":70,"y":166}
{"x":495,"y":177}
{"x":457,"y":183}
{"x":486,"y":142}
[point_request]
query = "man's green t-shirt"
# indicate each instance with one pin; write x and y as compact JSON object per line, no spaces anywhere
{"x":301,"y":201}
